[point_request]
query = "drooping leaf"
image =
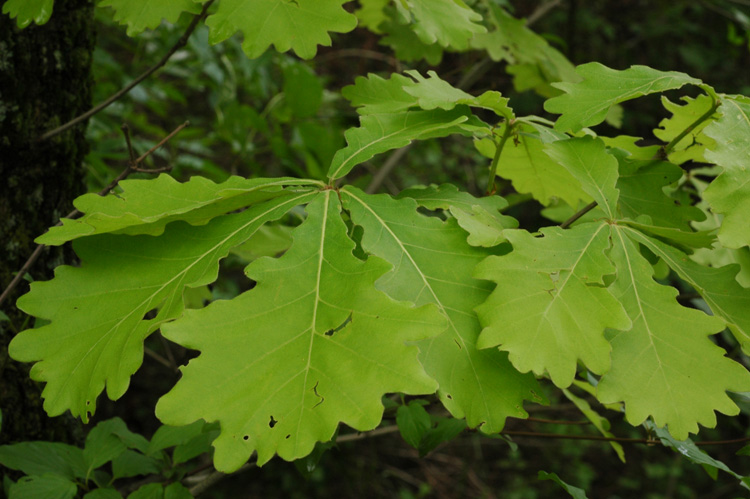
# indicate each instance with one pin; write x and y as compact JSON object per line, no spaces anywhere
{"x":140,"y":15}
{"x":484,"y":228}
{"x":26,"y":11}
{"x":574,"y":492}
{"x":449,"y":23}
{"x":147,"y":206}
{"x":312,"y":345}
{"x":300,"y":25}
{"x":525,"y":163}
{"x":99,"y":311}
{"x":718,"y":287}
{"x":379,"y":133}
{"x":433,"y":264}
{"x":130,"y":463}
{"x":600,"y":422}
{"x":691,"y":147}
{"x":729,"y":194}
{"x":549,"y":309}
{"x":687,"y":448}
{"x":587,"y":160}
{"x":39,"y":458}
{"x":669,"y":343}
{"x":587,"y":103}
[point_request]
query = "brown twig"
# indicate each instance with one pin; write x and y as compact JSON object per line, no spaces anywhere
{"x":117,"y":95}
{"x":132,"y":168}
{"x":557,"y":421}
{"x":578,"y":215}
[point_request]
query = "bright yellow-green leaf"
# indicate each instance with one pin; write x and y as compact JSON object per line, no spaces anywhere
{"x":693,"y":145}
{"x":99,"y":312}
{"x":587,"y":160}
{"x":449,"y":23}
{"x":432,"y":263}
{"x":147,"y":206}
{"x":549,"y":309}
{"x":666,"y":366}
{"x":729,"y":194}
{"x":26,"y":11}
{"x":587,"y":103}
{"x":311,"y":345}
{"x":379,"y":133}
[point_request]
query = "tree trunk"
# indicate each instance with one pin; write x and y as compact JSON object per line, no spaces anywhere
{"x":45,"y":80}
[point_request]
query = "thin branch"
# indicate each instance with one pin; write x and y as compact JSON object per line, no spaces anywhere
{"x":385,"y":170}
{"x":578,"y":215}
{"x":114,"y":97}
{"x":496,"y":159}
{"x":541,"y":11}
{"x":214,"y":478}
{"x":132,"y":167}
{"x":385,"y":430}
{"x":557,"y":421}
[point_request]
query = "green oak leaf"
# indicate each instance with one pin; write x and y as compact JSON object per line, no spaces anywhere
{"x":574,"y":492}
{"x":376,"y":95}
{"x":432,"y":263}
{"x":147,"y":205}
{"x":140,"y":15}
{"x":26,"y":11}
{"x":480,"y":217}
{"x":299,"y":25}
{"x":533,"y":63}
{"x":691,"y":147}
{"x":587,"y":103}
{"x":682,"y":376}
{"x":449,"y":23}
{"x":434,"y":92}
{"x":99,"y":312}
{"x":718,"y":287}
{"x":311,"y":345}
{"x":485,"y":228}
{"x":444,"y":196}
{"x":641,"y":185}
{"x":729,"y":194}
{"x":372,"y":14}
{"x":379,"y":133}
{"x":589,"y":162}
{"x":526,"y":164}
{"x":406,"y":45}
{"x":550,"y":309}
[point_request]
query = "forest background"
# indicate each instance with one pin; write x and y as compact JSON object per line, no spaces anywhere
{"x":278,"y":115}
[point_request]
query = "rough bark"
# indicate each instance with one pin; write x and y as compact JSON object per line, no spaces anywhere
{"x":45,"y":80}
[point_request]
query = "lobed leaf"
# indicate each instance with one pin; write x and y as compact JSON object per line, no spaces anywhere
{"x":147,"y":205}
{"x":140,"y":15}
{"x":99,"y":312}
{"x":593,"y":167}
{"x":682,"y":377}
{"x":526,"y":164}
{"x":312,"y":345}
{"x":692,"y":146}
{"x":376,"y":95}
{"x":26,"y":11}
{"x":449,"y":23}
{"x":549,"y":309}
{"x":432,"y":263}
{"x":729,"y":194}
{"x":299,"y":25}
{"x":718,"y":287}
{"x":379,"y":133}
{"x":587,"y":103}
